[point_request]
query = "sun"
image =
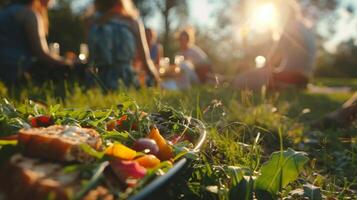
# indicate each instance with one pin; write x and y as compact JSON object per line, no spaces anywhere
{"x":264,"y":17}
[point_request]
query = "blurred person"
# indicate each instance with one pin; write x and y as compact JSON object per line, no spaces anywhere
{"x":23,"y":45}
{"x":156,"y":50}
{"x":116,"y":38}
{"x":340,"y":118}
{"x":296,"y":49}
{"x":191,"y":52}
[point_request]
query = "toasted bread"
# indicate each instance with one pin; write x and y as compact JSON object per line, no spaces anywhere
{"x":27,"y":178}
{"x":59,"y":143}
{"x":99,"y":193}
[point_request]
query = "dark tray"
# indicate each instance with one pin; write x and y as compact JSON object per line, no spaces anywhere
{"x":156,"y":184}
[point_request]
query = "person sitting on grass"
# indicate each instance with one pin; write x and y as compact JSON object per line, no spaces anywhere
{"x":297,"y":51}
{"x":156,"y":49}
{"x":116,"y":38}
{"x":23,"y":45}
{"x":192,"y":53}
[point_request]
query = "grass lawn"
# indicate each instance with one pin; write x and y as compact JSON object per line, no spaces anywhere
{"x":337,"y":82}
{"x":244,"y":130}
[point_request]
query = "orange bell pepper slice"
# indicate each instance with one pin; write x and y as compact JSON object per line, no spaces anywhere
{"x":120,"y":151}
{"x":148,"y":161}
{"x":165,"y":150}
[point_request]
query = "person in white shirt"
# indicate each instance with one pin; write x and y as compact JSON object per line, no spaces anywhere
{"x":192,"y":53}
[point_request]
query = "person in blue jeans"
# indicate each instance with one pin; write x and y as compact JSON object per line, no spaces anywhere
{"x":23,"y":45}
{"x":116,"y":39}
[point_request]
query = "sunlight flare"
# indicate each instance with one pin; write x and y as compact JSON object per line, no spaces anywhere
{"x":264,"y":17}
{"x":260,"y":61}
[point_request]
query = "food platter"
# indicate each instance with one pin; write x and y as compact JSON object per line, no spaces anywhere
{"x":124,"y":173}
{"x":156,"y":184}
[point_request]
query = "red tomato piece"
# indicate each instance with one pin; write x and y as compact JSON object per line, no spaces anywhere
{"x":41,"y":121}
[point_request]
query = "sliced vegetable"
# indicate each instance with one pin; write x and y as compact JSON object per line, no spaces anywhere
{"x":120,"y":151}
{"x":165,"y":150}
{"x":128,"y":169}
{"x":111,"y":125}
{"x":41,"y":121}
{"x":148,"y":161}
{"x":122,"y":124}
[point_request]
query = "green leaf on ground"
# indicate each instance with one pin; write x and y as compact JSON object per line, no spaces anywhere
{"x":282,"y":169}
{"x":244,"y":190}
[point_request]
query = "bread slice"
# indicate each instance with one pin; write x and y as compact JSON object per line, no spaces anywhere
{"x":59,"y":143}
{"x":27,"y":178}
{"x":100,"y":193}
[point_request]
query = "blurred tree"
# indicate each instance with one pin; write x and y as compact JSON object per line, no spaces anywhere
{"x":146,"y":8}
{"x":170,"y":10}
{"x":3,"y":3}
{"x":233,"y":47}
{"x":324,"y":4}
{"x":66,"y":27}
{"x":341,"y":64}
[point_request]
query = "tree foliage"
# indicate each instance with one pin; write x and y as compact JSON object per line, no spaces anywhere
{"x":66,"y":27}
{"x":3,"y":2}
{"x":171,"y":11}
{"x":220,"y":40}
{"x":234,"y":55}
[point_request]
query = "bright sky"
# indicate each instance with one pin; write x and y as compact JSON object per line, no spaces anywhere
{"x":200,"y":14}
{"x":200,"y":11}
{"x":346,"y":27}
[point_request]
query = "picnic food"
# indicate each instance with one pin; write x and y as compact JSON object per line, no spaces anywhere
{"x":41,"y":121}
{"x":165,"y":150}
{"x":35,"y":178}
{"x":60,"y":143}
{"x":70,"y":162}
{"x":128,"y":169}
{"x":121,"y":152}
{"x":146,"y":145}
{"x":148,"y":161}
